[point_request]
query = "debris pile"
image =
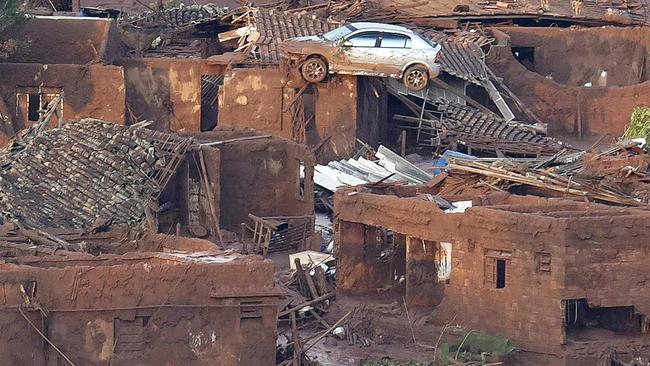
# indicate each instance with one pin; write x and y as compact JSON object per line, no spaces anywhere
{"x":618,"y":175}
{"x":309,"y":290}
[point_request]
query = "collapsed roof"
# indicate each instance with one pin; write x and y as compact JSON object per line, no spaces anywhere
{"x":85,"y":175}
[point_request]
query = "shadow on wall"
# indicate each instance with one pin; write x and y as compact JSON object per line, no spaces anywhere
{"x":611,"y":60}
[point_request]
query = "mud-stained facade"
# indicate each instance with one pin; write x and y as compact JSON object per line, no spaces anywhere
{"x":545,"y":273}
{"x":324,"y":116}
{"x":260,"y":174}
{"x":138,"y":308}
{"x":78,"y":67}
{"x":583,"y":81}
{"x":169,"y":92}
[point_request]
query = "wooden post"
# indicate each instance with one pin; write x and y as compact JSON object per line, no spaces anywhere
{"x":208,"y":190}
{"x":297,"y":347}
{"x":403,"y":141}
{"x":579,"y":116}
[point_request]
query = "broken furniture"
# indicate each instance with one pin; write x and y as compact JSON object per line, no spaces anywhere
{"x":274,"y":234}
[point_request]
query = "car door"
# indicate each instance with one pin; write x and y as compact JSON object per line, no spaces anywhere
{"x":359,"y":52}
{"x":394,"y":52}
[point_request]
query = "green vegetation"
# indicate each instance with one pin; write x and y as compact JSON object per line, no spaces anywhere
{"x":476,"y":346}
{"x":9,"y":13}
{"x":639,"y":124}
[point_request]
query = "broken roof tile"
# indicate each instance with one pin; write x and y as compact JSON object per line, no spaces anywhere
{"x":85,"y":174}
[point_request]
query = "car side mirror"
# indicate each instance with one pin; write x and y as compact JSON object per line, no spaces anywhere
{"x":347,"y":44}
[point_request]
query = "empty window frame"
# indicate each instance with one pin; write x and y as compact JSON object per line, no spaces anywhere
{"x":32,"y":103}
{"x":33,"y":107}
{"x":210,"y":85}
{"x":496,"y":271}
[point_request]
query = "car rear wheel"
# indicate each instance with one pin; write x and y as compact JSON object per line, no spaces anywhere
{"x":416,"y":78}
{"x":314,"y":69}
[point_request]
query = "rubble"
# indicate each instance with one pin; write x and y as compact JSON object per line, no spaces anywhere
{"x":345,"y":219}
{"x":86,"y":175}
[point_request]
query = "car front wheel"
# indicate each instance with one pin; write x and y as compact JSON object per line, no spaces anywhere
{"x":314,"y":69}
{"x":416,"y":78}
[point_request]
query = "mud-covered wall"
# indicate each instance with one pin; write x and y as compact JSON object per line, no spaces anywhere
{"x":574,"y":57}
{"x":372,"y":111}
{"x":51,"y":40}
{"x":261,"y":176}
{"x":166,"y":91}
{"x":574,"y":110}
{"x":136,"y":311}
{"x":95,"y":91}
{"x":258,"y":98}
{"x":621,"y":268}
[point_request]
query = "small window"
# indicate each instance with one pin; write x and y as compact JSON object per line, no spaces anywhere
{"x":501,"y":273}
{"x":368,"y":39}
{"x":33,"y":107}
{"x":543,"y":262}
{"x":496,"y":268}
{"x":300,"y":180}
{"x":392,"y":40}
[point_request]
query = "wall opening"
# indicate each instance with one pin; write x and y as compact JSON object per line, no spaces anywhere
{"x":209,"y":101}
{"x":525,"y":56}
{"x":496,"y":273}
{"x":501,"y":273}
{"x":300,"y":180}
{"x":32,"y":103}
{"x":582,"y":321}
{"x":33,"y":107}
{"x":385,"y":250}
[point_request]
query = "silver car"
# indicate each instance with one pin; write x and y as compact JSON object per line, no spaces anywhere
{"x":372,"y":49}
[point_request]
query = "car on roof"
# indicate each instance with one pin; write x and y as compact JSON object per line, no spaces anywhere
{"x":371,"y":49}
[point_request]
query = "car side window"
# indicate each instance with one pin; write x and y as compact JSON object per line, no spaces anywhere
{"x":392,"y":40}
{"x":366,"y":39}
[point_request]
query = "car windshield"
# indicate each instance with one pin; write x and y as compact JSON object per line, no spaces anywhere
{"x":339,"y":33}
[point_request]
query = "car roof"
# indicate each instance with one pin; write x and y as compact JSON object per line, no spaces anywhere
{"x":380,"y":26}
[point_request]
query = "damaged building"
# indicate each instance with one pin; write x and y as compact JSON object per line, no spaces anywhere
{"x":542,"y":272}
{"x":175,"y":190}
{"x":138,"y":308}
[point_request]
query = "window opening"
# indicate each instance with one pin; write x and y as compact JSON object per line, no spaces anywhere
{"x":501,"y":273}
{"x":33,"y":107}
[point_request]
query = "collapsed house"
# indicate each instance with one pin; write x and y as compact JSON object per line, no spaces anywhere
{"x":98,"y":187}
{"x":87,"y":176}
{"x":54,"y":56}
{"x":546,"y":273}
{"x":75,"y":179}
